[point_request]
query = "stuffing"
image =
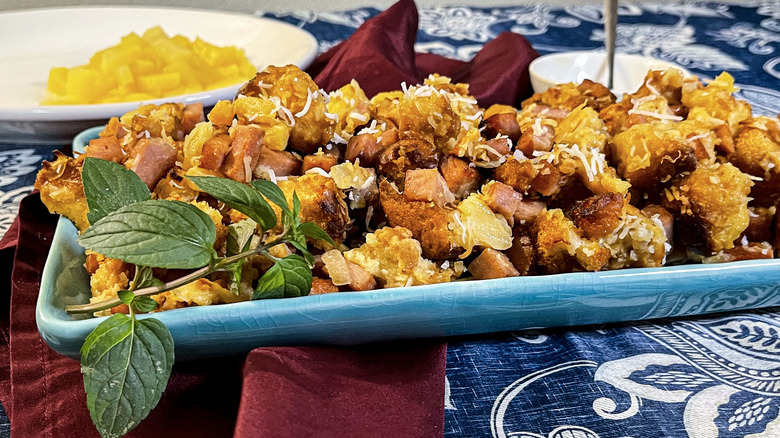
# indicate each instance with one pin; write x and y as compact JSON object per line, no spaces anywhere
{"x":404,"y":266}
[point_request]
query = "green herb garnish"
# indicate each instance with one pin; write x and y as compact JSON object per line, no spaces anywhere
{"x":126,"y":361}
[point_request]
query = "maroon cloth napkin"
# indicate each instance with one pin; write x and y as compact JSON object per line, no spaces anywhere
{"x":380,"y":55}
{"x":380,"y":390}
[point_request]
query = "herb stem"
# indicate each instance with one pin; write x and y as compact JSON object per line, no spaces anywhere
{"x":220,"y":265}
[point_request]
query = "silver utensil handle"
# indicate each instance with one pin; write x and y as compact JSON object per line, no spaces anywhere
{"x":610,"y":31}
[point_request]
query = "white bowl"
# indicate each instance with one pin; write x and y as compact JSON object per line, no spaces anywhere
{"x":564,"y":67}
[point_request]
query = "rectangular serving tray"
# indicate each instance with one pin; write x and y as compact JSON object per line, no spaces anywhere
{"x":450,"y":309}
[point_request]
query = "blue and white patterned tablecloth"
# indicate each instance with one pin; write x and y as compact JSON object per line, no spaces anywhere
{"x":695,"y":377}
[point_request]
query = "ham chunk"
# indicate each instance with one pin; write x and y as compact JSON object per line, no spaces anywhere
{"x":154,"y":157}
{"x":502,"y":199}
{"x":282,"y":163}
{"x":501,"y":145}
{"x":461,"y":179}
{"x":492,"y":264}
{"x":536,"y":139}
{"x":361,"y":279}
{"x":321,"y":286}
{"x":105,"y":148}
{"x":363,"y":147}
{"x":191,"y":116}
{"x":502,"y":124}
{"x":527,"y":210}
{"x":324,"y":162}
{"x":244,"y":153}
{"x":427,"y":185}
{"x":214,"y":152}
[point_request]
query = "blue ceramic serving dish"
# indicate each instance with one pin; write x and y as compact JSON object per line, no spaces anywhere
{"x":459,"y":308}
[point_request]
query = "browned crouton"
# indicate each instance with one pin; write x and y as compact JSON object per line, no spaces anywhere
{"x":598,"y":215}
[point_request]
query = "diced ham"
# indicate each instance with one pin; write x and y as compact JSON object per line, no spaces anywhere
{"x":666,"y":219}
{"x":361,"y":279}
{"x":191,"y":116}
{"x":460,"y":178}
{"x":321,"y":286}
{"x":751,"y":251}
{"x":121,"y":132}
{"x":363,"y":147}
{"x":593,"y":89}
{"x":501,"y":145}
{"x":527,"y":211}
{"x":244,"y":153}
{"x":503,"y":200}
{"x":105,"y":148}
{"x":502,"y":124}
{"x":492,"y":264}
{"x":530,"y":141}
{"x":388,"y":137}
{"x":283,"y":163}
{"x":324,"y":162}
{"x":214,"y":152}
{"x":547,"y":181}
{"x":549,"y":112}
{"x":598,"y":215}
{"x":153,"y":158}
{"x":427,"y":185}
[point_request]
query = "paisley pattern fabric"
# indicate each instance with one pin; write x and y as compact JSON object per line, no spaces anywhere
{"x":697,"y":377}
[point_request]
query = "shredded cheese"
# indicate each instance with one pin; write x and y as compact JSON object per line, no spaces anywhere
{"x":309,"y":96}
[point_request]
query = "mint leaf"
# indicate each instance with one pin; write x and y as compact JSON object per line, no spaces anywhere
{"x":288,"y":277}
{"x":126,"y":364}
{"x":155,"y":233}
{"x":141,"y":304}
{"x":238,"y":196}
{"x":126,"y":296}
{"x":296,"y":208}
{"x":272,"y":192}
{"x":146,"y":278}
{"x":239,"y":236}
{"x":310,"y":229}
{"x":144,"y":304}
{"x":307,"y":255}
{"x":239,"y":239}
{"x":109,"y":186}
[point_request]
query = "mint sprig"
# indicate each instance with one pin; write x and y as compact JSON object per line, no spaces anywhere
{"x":109,"y":186}
{"x":126,"y":362}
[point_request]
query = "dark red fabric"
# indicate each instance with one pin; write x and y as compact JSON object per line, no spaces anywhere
{"x":380,"y":391}
{"x":380,"y":55}
{"x":383,"y":390}
{"x":47,"y":396}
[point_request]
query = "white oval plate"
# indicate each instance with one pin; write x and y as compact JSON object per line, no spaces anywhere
{"x":34,"y":41}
